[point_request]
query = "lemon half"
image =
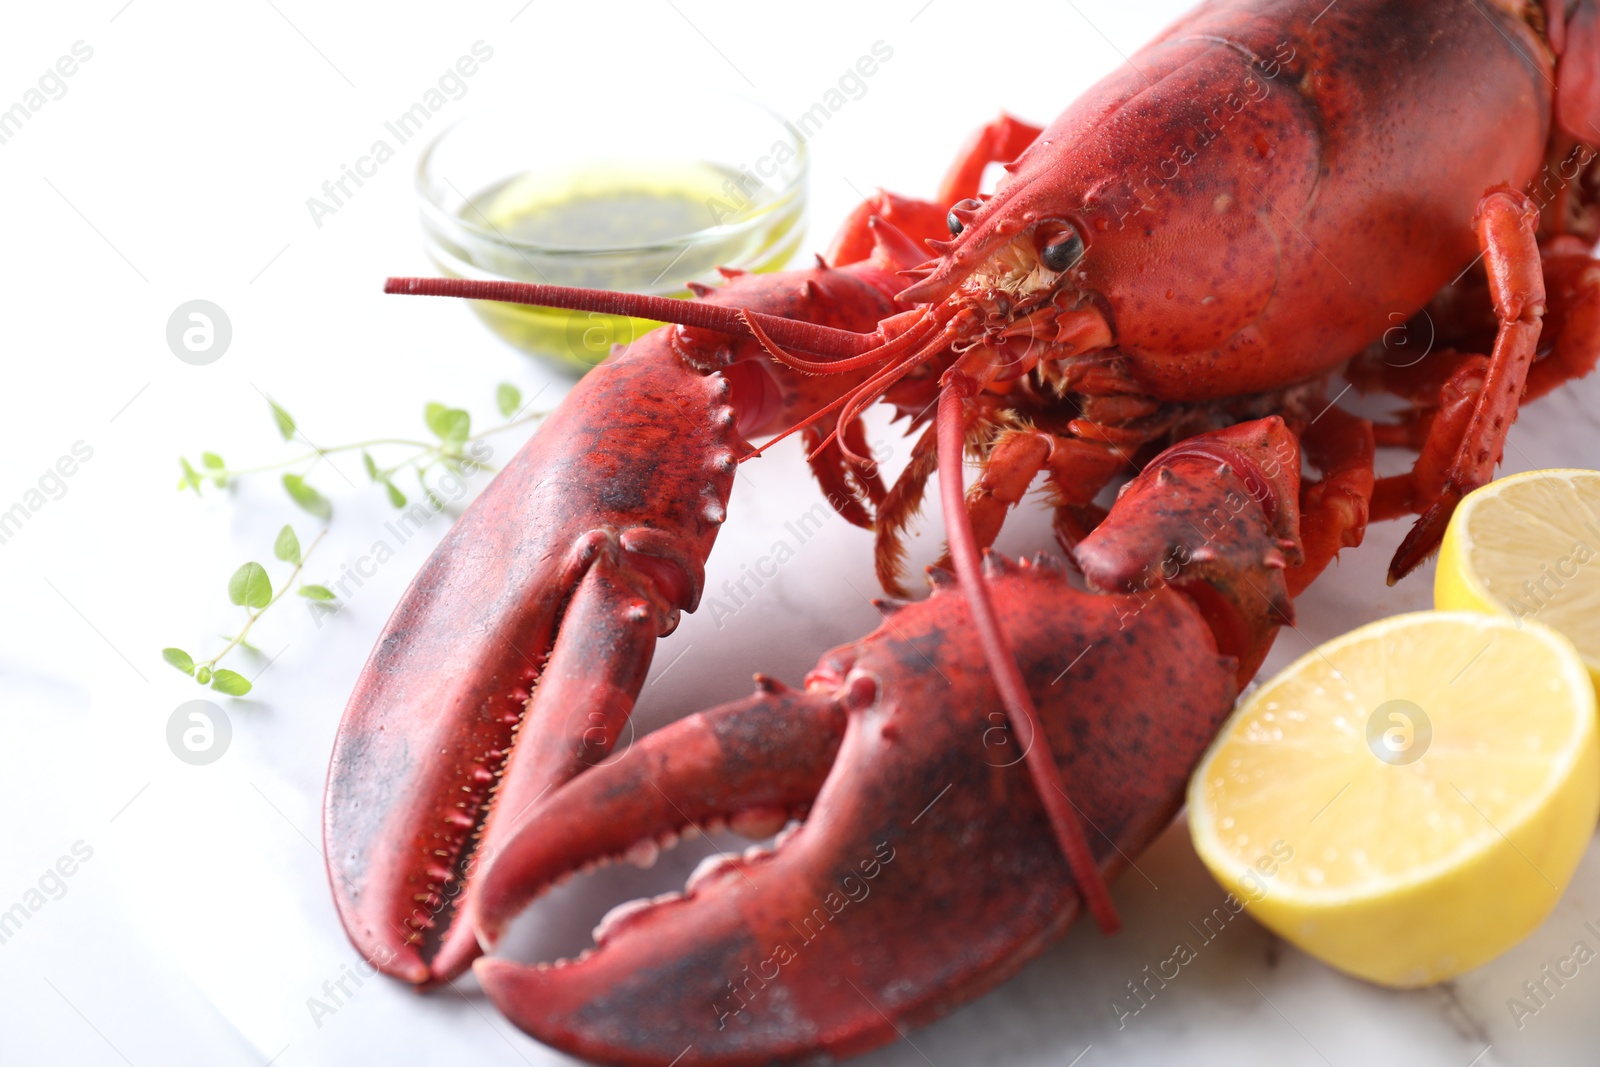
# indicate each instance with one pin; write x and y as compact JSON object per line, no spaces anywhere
{"x":1409,"y":800}
{"x":1528,"y":546}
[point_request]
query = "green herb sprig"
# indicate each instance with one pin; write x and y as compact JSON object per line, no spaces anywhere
{"x":251,"y":589}
{"x":451,"y":449}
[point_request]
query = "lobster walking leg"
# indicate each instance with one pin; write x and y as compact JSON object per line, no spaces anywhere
{"x":1572,"y":323}
{"x":999,"y":141}
{"x":1506,"y":231}
{"x":1333,"y":509}
{"x":1077,"y":471}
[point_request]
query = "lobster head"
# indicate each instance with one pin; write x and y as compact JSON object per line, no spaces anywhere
{"x":1151,"y":228}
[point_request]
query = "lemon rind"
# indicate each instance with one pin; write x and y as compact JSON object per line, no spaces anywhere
{"x":1461,"y":527}
{"x":1573,"y":669}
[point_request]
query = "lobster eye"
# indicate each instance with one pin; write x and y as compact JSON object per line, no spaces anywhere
{"x":1063,"y":252}
{"x":954,"y":223}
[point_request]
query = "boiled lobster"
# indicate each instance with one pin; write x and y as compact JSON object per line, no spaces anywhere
{"x":1161,"y":285}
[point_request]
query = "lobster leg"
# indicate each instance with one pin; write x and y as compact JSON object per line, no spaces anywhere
{"x":1076,"y":471}
{"x":900,"y":507}
{"x":849,"y":487}
{"x":1573,"y":322}
{"x":1444,"y":388}
{"x":1437,"y":434}
{"x":999,"y":141}
{"x":1333,"y":509}
{"x":914,"y":220}
{"x":1506,"y":233}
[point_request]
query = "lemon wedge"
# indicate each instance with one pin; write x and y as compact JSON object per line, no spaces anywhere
{"x":1409,"y":800}
{"x":1528,"y":546}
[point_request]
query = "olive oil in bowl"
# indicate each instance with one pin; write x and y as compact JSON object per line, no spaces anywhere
{"x":643,"y":225}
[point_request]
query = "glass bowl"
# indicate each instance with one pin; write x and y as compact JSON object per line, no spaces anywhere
{"x":629,"y":195}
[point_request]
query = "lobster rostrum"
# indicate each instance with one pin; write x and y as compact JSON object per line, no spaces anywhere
{"x":1163,"y":282}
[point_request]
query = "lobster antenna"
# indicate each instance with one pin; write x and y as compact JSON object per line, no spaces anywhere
{"x":862,"y":395}
{"x":916,"y":333}
{"x":1063,"y":815}
{"x":809,"y":337}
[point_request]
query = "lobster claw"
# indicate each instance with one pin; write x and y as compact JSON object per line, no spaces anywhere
{"x":514,"y":659}
{"x":924,"y":872}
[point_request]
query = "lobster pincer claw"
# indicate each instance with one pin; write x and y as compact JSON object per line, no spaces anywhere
{"x":514,"y":659}
{"x":1217,"y":517}
{"x":924,"y":872}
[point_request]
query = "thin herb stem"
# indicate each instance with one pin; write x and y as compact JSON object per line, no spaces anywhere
{"x":376,"y":442}
{"x":288,"y":584}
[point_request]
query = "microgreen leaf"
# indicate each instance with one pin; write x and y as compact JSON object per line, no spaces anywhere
{"x":179,"y":659}
{"x":226,"y":681}
{"x":448,"y":424}
{"x":316,"y":592}
{"x":306,"y":496}
{"x":191,"y":477}
{"x":287,"y":546}
{"x":508,"y":398}
{"x":250,"y":587}
{"x":284,"y":420}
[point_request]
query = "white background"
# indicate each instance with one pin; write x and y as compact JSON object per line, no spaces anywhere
{"x":177,"y":166}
